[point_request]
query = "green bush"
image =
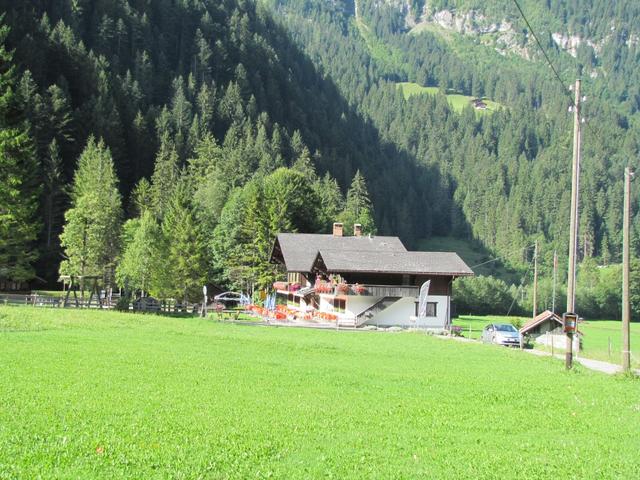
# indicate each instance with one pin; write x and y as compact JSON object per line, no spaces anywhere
{"x":123,"y":303}
{"x":482,"y":296}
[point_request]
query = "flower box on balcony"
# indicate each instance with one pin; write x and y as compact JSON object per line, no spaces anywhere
{"x":280,"y":285}
{"x":323,"y":287}
{"x":342,"y":288}
{"x":359,"y":289}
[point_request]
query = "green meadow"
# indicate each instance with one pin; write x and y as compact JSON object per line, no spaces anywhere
{"x":457,"y":101}
{"x":90,"y":394}
{"x":602,"y":339}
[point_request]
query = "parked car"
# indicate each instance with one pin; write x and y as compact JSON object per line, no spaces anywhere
{"x":230,"y":299}
{"x":501,"y":334}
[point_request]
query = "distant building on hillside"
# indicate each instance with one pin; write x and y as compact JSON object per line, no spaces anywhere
{"x":366,"y":280}
{"x":479,"y":104}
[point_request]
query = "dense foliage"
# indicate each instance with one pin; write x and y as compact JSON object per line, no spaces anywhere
{"x":18,"y":190}
{"x":231,"y":120}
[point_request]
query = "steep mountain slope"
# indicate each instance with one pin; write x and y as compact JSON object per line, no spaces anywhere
{"x":248,"y":88}
{"x":139,"y":73}
{"x":507,"y":172}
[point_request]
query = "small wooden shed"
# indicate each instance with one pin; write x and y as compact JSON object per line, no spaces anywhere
{"x":547,"y":329}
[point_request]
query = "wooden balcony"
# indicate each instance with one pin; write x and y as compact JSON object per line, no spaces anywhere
{"x":387,"y":291}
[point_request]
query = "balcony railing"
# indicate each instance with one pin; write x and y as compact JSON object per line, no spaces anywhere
{"x":390,"y":291}
{"x":353,"y":289}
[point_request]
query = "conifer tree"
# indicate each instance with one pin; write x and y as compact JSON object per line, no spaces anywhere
{"x":331,"y":201}
{"x":141,"y":198}
{"x":18,"y":192}
{"x":53,"y":191}
{"x":185,"y":255}
{"x":91,"y":235}
{"x":141,"y":256}
{"x":165,"y":176}
{"x":358,"y":208}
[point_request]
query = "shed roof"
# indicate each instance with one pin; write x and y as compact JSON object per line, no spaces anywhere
{"x":412,"y":263}
{"x":547,"y":315}
{"x":298,"y":251}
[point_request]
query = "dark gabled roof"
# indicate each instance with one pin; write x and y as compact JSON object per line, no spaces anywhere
{"x":298,"y":251}
{"x":412,"y":263}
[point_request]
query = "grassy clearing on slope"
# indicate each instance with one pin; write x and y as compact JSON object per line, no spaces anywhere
{"x":389,"y":58}
{"x":89,"y":394}
{"x":595,"y":343}
{"x":457,"y":101}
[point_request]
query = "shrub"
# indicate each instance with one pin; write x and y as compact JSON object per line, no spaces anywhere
{"x":123,"y":303}
{"x":481,"y":296}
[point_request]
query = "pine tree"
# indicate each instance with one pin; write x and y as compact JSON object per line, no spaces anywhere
{"x":165,"y":176}
{"x":141,"y":198}
{"x":185,"y":257}
{"x":18,"y":192}
{"x":331,"y":201}
{"x":53,"y":191}
{"x":141,"y":256}
{"x":358,"y":208}
{"x":91,"y":235}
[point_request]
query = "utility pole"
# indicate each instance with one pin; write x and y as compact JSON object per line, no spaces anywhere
{"x":555,"y":279}
{"x":573,"y":242}
{"x":626,"y":306}
{"x":535,"y":280}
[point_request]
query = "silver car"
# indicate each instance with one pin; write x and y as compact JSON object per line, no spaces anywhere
{"x":501,"y":334}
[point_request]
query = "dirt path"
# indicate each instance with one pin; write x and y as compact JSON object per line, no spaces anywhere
{"x":597,"y":365}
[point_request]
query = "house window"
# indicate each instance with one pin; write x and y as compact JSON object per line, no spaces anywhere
{"x":339,"y":305}
{"x":432,"y":309}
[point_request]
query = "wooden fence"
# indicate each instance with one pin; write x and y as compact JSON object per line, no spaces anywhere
{"x":39,"y":300}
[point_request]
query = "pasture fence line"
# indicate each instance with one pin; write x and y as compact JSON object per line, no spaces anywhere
{"x":109,"y":302}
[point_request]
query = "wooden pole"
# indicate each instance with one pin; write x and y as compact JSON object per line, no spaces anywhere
{"x":555,"y":280}
{"x":573,"y":242}
{"x":535,"y":280}
{"x":626,"y":306}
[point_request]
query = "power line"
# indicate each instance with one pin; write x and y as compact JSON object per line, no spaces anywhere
{"x":553,"y":68}
{"x":565,"y":89}
{"x":503,"y":256}
{"x":520,"y":287}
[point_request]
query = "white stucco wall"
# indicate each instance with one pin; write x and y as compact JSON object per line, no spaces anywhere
{"x":356,"y":304}
{"x":402,"y":314}
{"x":559,"y":341}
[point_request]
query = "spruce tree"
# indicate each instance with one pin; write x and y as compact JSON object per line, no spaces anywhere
{"x":165,"y":176}
{"x":53,"y":191}
{"x":141,"y":256}
{"x":185,"y":255}
{"x":91,"y":236}
{"x":331,"y":201}
{"x":18,"y":192}
{"x":358,"y":208}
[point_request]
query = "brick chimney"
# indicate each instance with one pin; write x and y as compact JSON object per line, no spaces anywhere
{"x":337,"y":229}
{"x":357,"y":230}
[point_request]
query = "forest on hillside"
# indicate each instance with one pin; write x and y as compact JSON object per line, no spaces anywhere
{"x":163,"y":145}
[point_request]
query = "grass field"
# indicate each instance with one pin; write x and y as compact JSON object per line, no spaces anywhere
{"x":597,"y":335}
{"x":89,"y":394}
{"x":457,"y":101}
